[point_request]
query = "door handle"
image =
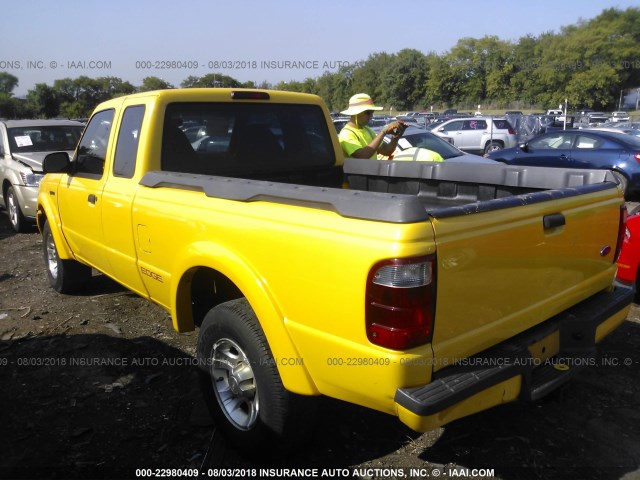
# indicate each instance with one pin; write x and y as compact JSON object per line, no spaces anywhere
{"x":552,"y":221}
{"x":92,"y":199}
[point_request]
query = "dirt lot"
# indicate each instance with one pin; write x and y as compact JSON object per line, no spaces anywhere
{"x":98,"y":385}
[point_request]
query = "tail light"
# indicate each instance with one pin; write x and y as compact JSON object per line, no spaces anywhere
{"x":400,"y":302}
{"x":637,"y":157}
{"x":511,"y":131}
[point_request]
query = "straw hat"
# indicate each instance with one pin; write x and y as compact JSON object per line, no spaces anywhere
{"x":359,"y":103}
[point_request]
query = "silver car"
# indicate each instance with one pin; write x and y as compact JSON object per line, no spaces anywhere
{"x":478,"y":134}
{"x":23,"y":146}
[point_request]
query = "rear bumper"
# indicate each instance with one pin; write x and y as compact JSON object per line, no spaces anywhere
{"x":526,"y":367}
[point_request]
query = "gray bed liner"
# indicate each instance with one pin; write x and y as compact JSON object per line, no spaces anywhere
{"x":404,"y":192}
{"x":449,"y":189}
{"x":348,"y":203}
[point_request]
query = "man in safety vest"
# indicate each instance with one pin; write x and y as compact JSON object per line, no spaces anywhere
{"x":357,"y":139}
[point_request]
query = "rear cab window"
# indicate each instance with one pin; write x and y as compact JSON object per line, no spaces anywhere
{"x":239,"y":139}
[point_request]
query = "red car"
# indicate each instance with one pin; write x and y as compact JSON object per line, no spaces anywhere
{"x":630,"y":254}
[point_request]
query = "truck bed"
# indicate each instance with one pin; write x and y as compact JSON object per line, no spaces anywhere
{"x":419,"y":189}
{"x":449,"y":189}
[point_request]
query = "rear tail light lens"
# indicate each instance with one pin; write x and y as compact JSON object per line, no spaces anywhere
{"x":637,"y":157}
{"x":400,"y":302}
{"x":512,"y":131}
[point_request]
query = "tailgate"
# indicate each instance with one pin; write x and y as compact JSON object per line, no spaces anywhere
{"x":503,"y":271}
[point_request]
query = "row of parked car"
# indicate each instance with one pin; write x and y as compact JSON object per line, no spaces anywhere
{"x":537,"y":140}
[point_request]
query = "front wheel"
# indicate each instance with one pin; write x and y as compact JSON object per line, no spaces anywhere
{"x":242,"y":385}
{"x":16,"y":217}
{"x":65,"y":276}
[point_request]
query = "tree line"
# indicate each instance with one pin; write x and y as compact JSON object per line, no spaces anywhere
{"x":590,"y":64}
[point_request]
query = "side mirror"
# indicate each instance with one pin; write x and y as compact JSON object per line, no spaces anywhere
{"x":441,"y":129}
{"x":57,"y":162}
{"x":524,"y":147}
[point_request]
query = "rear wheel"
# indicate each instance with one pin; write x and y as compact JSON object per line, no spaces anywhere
{"x":16,"y":217}
{"x":242,"y":385}
{"x":492,"y":147}
{"x":65,"y":276}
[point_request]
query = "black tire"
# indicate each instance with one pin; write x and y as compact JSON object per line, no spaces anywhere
{"x":242,"y":386}
{"x":65,"y":276}
{"x":622,"y":181}
{"x":16,"y":217}
{"x":493,"y":146}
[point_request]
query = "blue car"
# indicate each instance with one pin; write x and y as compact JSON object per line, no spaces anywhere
{"x":618,"y":152}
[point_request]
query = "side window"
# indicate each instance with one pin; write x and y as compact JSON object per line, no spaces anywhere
{"x":560,"y":141}
{"x":92,"y":150}
{"x":585,"y":141}
{"x":474,"y":125}
{"x":3,"y":149}
{"x":453,"y":126}
{"x":124,"y":163}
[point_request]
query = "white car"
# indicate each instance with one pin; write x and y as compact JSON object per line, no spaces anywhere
{"x":23,"y":146}
{"x":415,"y":137}
{"x":619,"y":117}
{"x":478,"y":134}
{"x":557,"y":114}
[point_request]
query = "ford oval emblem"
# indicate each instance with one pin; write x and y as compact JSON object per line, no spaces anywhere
{"x":605,"y":251}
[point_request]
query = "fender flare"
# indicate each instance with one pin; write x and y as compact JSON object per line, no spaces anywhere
{"x":47,"y":212}
{"x":295,"y":377}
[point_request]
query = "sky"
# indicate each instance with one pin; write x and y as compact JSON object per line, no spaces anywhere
{"x":280,"y":40}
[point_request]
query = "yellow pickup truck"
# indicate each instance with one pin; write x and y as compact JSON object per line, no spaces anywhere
{"x":429,"y":291}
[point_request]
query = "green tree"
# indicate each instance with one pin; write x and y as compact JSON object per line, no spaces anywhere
{"x":368,"y":77}
{"x":405,"y":80}
{"x":441,"y":87}
{"x":78,"y":97}
{"x":11,"y":107}
{"x":590,"y":63}
{"x":154,"y":83}
{"x":523,"y":63}
{"x":8,"y":83}
{"x":43,"y":101}
{"x":211,"y":80}
{"x":478,"y":69}
{"x":189,"y":82}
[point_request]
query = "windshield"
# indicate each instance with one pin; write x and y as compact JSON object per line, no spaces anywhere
{"x":44,"y":138}
{"x":429,"y":141}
